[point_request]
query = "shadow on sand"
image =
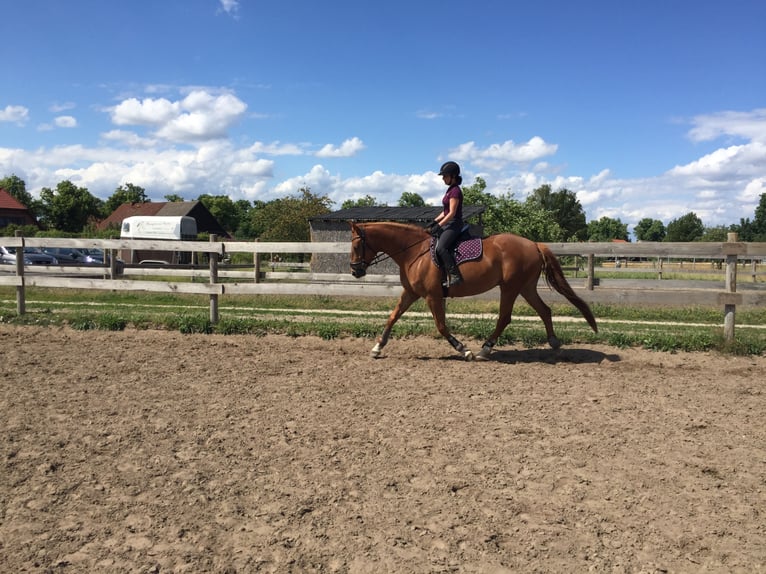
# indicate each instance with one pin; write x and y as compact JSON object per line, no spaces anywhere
{"x":567,"y":355}
{"x":543,"y":355}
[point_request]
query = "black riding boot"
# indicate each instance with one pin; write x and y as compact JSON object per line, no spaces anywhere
{"x":454,"y":277}
{"x":453,"y":274}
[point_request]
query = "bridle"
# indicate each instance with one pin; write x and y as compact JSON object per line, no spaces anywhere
{"x":359,"y":268}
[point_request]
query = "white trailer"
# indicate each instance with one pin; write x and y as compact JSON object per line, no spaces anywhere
{"x":161,"y":228}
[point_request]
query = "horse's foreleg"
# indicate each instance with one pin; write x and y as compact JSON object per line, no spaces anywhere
{"x":507,"y":300}
{"x":535,"y":301}
{"x":436,"y":304}
{"x":406,"y":299}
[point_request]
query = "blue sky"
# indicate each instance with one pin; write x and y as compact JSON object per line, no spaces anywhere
{"x":644,"y":109}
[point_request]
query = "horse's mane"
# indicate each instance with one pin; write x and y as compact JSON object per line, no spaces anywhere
{"x":395,"y":224}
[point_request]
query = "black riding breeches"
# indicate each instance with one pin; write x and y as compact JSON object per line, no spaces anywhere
{"x":446,"y":244}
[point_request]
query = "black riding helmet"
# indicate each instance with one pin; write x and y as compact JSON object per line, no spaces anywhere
{"x":450,"y":168}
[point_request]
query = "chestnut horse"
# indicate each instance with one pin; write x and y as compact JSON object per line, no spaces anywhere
{"x":511,"y":262}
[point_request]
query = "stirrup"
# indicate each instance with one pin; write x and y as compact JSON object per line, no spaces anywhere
{"x":452,"y":279}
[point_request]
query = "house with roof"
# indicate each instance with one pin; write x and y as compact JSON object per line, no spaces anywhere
{"x":335,"y":227}
{"x":13,"y":212}
{"x":206,"y":223}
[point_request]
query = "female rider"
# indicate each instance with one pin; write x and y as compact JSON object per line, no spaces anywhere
{"x":449,"y":223}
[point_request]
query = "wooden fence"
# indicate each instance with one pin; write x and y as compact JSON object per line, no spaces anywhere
{"x":217,"y":278}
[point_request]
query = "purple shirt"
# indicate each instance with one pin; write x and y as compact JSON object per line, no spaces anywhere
{"x":457,"y":193}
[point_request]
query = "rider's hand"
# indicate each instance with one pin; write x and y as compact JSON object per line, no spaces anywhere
{"x":434,"y":229}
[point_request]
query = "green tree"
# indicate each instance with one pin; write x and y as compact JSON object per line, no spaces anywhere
{"x":286,"y":219}
{"x":529,"y":220}
{"x":744,"y":229}
{"x":565,"y":209}
{"x":173,"y":197}
{"x":411,"y":199}
{"x":686,"y":228}
{"x":606,"y":229}
{"x":755,"y":229}
{"x":366,"y":201}
{"x":759,"y":222}
{"x":225,"y":211}
{"x":127,"y":193}
{"x":505,"y":214}
{"x":649,"y":229}
{"x":715,"y":234}
{"x":243,"y":229}
{"x":476,"y":194}
{"x":69,"y":208}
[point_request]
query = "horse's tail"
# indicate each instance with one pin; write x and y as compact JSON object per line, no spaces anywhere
{"x":554,"y":276}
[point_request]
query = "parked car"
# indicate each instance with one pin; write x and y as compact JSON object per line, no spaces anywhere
{"x":32,"y":256}
{"x":102,"y":257}
{"x":72,"y":256}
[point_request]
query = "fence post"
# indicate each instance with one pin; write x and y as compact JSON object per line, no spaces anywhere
{"x":257,"y":263}
{"x":213,"y":259}
{"x":591,"y":270}
{"x":21,"y":301}
{"x":112,"y":256}
{"x":729,"y":310}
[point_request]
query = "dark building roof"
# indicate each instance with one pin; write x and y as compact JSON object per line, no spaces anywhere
{"x":403,"y":214}
{"x":13,"y":211}
{"x":7,"y":201}
{"x":206,"y":223}
{"x":129,"y":210}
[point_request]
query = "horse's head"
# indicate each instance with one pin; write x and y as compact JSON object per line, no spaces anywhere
{"x":361,"y":254}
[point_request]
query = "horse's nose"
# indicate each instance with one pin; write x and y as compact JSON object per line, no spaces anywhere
{"x":358,"y":272}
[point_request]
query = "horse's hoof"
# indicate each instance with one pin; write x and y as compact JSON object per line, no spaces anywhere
{"x":376,"y":351}
{"x":468,"y":355}
{"x":483,"y":356}
{"x":554,"y":343}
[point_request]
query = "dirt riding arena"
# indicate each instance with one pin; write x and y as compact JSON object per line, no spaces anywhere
{"x":154,"y":452}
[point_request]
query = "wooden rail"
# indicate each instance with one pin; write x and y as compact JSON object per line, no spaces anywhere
{"x":217,"y":279}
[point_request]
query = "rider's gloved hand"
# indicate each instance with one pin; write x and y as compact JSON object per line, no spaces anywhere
{"x":434,"y":229}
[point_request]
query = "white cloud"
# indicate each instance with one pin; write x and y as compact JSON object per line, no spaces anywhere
{"x":725,"y":165}
{"x":57,"y":108}
{"x":14,"y":114}
{"x":65,"y":122}
{"x":149,"y":111}
{"x":230,"y":6}
{"x":199,"y":116}
{"x":497,"y":156}
{"x":179,"y":144}
{"x":128,"y":139}
{"x":276,"y":148}
{"x":386,"y":188}
{"x":753,"y":190}
{"x":748,"y":125}
{"x":348,"y":148}
{"x":214,"y":167}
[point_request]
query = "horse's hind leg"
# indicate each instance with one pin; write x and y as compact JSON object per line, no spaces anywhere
{"x":532,"y":297}
{"x":507,"y":300}
{"x":406,"y":299}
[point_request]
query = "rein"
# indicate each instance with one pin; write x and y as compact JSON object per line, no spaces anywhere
{"x":380,"y":257}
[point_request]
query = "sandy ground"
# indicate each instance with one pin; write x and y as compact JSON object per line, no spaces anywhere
{"x":153,"y":452}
